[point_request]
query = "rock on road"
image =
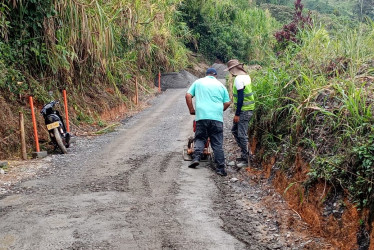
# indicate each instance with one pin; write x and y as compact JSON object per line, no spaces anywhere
{"x":129,"y":189}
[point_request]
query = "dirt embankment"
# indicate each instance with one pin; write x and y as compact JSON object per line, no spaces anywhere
{"x":327,"y":211}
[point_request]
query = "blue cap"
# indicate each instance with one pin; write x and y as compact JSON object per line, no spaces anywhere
{"x":211,"y":71}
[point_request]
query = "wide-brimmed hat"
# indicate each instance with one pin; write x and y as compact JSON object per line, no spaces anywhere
{"x":235,"y":67}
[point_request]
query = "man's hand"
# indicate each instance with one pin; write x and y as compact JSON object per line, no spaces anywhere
{"x":236,"y":119}
{"x":189,"y":103}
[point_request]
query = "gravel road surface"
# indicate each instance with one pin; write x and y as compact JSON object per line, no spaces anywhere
{"x":131,"y":189}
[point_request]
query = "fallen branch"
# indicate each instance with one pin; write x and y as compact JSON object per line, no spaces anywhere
{"x":143,"y":88}
{"x":107,"y":128}
{"x":296,"y":213}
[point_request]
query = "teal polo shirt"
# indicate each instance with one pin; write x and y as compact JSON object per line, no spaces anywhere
{"x":210,"y":95}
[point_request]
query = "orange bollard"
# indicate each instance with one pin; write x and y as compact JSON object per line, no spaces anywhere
{"x":66,"y":110}
{"x":34,"y":124}
{"x":159,"y":81}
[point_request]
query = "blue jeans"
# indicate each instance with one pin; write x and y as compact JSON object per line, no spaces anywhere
{"x":214,"y":130}
{"x":240,"y":132}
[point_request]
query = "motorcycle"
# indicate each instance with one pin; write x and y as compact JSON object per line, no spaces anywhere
{"x":56,"y":127}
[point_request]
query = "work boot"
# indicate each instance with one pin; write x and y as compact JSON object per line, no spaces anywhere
{"x":194,"y":163}
{"x":242,"y":164}
{"x":241,"y":159}
{"x":221,"y":171}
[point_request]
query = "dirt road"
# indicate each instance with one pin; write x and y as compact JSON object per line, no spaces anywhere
{"x":131,"y":189}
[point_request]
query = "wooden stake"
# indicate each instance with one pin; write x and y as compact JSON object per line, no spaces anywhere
{"x":136,"y":91}
{"x":23,"y":137}
{"x":143,"y":88}
{"x":159,"y":81}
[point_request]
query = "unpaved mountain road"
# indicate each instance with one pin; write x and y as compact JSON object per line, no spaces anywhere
{"x":131,"y":189}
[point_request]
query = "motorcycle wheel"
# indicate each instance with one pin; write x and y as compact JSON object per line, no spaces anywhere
{"x":59,"y":140}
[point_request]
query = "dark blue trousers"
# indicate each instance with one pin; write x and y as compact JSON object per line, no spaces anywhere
{"x":214,"y":130}
{"x":240,"y":132}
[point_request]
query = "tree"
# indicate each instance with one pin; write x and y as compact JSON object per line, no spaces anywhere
{"x":364,"y":8}
{"x":289,"y":31}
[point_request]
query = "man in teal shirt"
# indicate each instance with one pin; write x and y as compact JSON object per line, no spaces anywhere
{"x":211,"y":99}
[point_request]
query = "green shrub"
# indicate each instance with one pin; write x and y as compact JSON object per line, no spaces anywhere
{"x":227,"y":29}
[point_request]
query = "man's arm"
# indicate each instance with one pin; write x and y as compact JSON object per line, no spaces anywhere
{"x":239,"y":105}
{"x":189,"y":103}
{"x":240,"y":102}
{"x":226,"y":105}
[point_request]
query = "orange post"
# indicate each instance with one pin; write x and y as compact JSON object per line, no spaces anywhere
{"x":34,"y":124}
{"x":159,"y":81}
{"x":66,"y":110}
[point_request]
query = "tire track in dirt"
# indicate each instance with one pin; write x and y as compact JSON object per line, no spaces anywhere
{"x":158,"y":202}
{"x":164,"y":164}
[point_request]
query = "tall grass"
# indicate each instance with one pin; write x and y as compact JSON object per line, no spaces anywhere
{"x":94,"y":41}
{"x":318,"y":95}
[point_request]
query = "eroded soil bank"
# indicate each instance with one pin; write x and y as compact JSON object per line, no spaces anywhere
{"x":255,"y":211}
{"x":326,"y":210}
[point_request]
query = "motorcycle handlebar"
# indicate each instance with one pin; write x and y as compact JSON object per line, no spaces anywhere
{"x":49,"y":105}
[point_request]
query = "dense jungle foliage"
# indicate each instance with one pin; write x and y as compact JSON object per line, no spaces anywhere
{"x":314,"y":92}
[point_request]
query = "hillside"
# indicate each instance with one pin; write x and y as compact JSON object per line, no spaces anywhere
{"x":349,"y":8}
{"x":96,"y":51}
{"x":311,"y":134}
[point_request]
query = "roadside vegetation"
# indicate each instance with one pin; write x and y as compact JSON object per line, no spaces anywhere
{"x":317,"y":94}
{"x":229,"y":29}
{"x":315,"y":113}
{"x":314,"y":91}
{"x":93,"y":49}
